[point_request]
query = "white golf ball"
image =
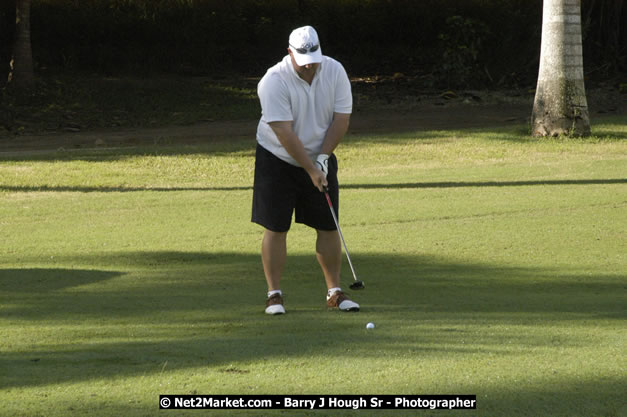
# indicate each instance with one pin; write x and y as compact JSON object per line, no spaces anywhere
{"x":370,"y":326}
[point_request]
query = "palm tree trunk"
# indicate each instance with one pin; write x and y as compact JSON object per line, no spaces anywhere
{"x":560,"y":106}
{"x":22,"y":74}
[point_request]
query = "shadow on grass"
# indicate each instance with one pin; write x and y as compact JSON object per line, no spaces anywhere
{"x":133,"y":314}
{"x":145,"y":313}
{"x":211,"y":282}
{"x":569,"y":399}
{"x":409,"y":185}
{"x":43,"y":280}
{"x":93,"y":102}
{"x":206,"y":309}
{"x":238,"y":136}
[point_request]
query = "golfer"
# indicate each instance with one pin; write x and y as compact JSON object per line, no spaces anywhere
{"x":306,"y":103}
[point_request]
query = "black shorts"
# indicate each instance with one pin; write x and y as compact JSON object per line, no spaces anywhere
{"x":280,"y":188}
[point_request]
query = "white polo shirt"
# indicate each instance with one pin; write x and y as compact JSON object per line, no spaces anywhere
{"x":284,"y":96}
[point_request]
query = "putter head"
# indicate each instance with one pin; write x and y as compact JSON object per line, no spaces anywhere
{"x":357,"y":285}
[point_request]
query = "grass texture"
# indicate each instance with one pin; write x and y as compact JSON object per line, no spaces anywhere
{"x":494,"y":265}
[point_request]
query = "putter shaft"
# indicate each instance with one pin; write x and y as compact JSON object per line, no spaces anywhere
{"x":337,"y":224}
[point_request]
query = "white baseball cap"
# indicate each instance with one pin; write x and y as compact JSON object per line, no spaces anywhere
{"x":305,"y":46}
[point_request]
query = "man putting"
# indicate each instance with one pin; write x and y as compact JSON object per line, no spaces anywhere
{"x":306,"y":103}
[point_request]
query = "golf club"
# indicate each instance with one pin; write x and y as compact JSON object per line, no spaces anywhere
{"x":357,"y":285}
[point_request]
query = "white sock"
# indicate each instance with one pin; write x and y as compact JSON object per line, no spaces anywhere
{"x":333,"y":291}
{"x":271,"y":293}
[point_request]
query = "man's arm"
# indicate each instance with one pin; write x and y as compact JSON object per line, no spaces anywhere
{"x":335,"y":133}
{"x":337,"y":130}
{"x":292,"y":144}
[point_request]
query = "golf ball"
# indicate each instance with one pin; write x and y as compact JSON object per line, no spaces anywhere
{"x":370,"y":326}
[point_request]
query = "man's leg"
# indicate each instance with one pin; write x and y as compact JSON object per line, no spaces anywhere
{"x":329,"y":254}
{"x":273,"y":256}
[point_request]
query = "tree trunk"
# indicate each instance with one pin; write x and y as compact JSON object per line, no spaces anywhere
{"x":560,"y":106}
{"x":22,"y":74}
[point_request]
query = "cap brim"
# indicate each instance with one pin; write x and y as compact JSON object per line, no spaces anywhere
{"x":308,"y":58}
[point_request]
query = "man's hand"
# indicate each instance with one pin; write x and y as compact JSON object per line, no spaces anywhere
{"x":318,"y":178}
{"x":286,"y":135}
{"x":323,"y":163}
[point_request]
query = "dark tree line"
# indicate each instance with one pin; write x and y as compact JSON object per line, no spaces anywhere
{"x":21,"y":67}
{"x":448,"y":42}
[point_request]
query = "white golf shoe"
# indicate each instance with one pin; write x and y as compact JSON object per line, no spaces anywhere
{"x":274,"y":305}
{"x":341,"y":301}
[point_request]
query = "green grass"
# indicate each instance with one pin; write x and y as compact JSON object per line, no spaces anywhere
{"x":494,"y":265}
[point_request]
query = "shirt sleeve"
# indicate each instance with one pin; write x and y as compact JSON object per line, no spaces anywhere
{"x":274,"y":99}
{"x":343,"y":95}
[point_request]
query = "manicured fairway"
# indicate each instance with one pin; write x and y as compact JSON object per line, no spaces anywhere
{"x":495,"y":265}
